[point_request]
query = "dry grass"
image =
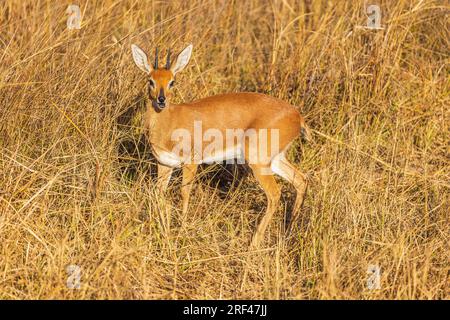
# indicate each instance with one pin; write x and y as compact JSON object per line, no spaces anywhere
{"x":75,"y":183}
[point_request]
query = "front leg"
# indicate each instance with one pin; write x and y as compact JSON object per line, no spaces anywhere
{"x":189,"y":171}
{"x":164,"y":174}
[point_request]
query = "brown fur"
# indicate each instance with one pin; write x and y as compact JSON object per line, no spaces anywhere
{"x":226,"y":111}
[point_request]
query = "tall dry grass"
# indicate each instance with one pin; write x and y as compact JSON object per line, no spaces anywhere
{"x":75,"y":171}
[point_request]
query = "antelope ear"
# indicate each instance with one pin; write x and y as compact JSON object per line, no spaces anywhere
{"x":182,"y":60}
{"x":140,"y":58}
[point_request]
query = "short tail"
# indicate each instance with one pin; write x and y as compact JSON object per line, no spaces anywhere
{"x":305,"y":132}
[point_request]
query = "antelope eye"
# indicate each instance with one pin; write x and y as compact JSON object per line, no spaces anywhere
{"x":171,"y":83}
{"x":152,"y":83}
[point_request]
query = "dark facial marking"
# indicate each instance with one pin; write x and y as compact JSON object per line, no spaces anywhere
{"x":156,"y":107}
{"x":161,"y":101}
{"x":161,"y":94}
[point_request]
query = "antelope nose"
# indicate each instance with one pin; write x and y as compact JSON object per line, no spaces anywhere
{"x":161,"y":99}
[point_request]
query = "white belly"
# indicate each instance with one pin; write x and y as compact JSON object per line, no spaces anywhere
{"x":173,"y":160}
{"x":168,"y":158}
{"x":223,"y":155}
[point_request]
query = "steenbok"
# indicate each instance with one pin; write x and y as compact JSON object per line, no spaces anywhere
{"x":241,"y":125}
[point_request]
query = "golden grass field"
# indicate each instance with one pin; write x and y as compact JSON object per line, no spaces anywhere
{"x":76,"y":183}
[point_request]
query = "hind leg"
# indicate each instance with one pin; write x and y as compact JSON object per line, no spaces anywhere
{"x":272,"y":191}
{"x":281,"y":166}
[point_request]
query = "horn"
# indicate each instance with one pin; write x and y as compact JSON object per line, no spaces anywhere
{"x":168,"y":60}
{"x":156,"y":59}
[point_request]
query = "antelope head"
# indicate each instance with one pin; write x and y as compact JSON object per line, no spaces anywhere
{"x":161,"y":80}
